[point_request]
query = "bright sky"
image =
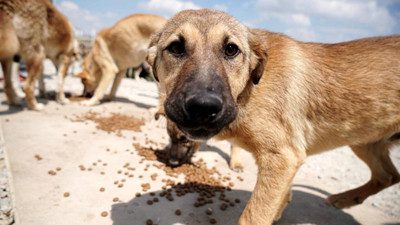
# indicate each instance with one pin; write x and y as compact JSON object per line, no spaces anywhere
{"x":306,"y":20}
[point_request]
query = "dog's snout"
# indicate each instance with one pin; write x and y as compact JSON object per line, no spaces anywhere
{"x":203,"y":107}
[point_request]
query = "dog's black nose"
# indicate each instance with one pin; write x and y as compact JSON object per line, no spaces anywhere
{"x":203,"y":107}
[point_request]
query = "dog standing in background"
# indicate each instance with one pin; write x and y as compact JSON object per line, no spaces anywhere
{"x":116,"y":49}
{"x":34,"y":30}
{"x":281,"y":100}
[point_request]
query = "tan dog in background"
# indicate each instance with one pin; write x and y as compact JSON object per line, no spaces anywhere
{"x":116,"y":49}
{"x":281,"y":100}
{"x":34,"y":29}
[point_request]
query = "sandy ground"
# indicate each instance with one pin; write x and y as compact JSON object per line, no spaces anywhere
{"x":61,"y":143}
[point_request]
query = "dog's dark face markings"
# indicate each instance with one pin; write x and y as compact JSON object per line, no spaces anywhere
{"x":204,"y":59}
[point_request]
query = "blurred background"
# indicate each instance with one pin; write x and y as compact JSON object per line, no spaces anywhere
{"x":325,"y":21}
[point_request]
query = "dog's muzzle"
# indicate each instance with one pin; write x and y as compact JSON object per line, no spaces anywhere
{"x":201,"y":115}
{"x":201,"y":106}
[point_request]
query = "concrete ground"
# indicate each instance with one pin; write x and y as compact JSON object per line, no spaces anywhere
{"x":38,"y":142}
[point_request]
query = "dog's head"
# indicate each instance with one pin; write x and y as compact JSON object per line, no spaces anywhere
{"x":204,"y":59}
{"x":89,"y":74}
{"x":180,"y":149}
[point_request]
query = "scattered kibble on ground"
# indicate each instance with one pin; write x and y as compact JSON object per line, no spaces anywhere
{"x":207,"y":183}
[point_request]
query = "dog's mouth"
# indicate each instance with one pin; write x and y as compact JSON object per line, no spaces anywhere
{"x":175,"y":162}
{"x":201,"y":128}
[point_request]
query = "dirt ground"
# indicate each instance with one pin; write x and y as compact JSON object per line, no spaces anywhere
{"x":51,"y":140}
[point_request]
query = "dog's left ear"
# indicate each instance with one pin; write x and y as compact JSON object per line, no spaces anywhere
{"x":258,"y":57}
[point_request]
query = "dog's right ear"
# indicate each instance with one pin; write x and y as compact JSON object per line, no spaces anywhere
{"x":259,"y":56}
{"x":151,"y":57}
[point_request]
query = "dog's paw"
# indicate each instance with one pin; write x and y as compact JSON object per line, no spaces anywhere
{"x":62,"y":100}
{"x":38,"y":107}
{"x":236,"y":166}
{"x":88,"y":103}
{"x":343,"y":200}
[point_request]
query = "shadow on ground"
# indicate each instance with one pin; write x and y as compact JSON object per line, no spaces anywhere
{"x":305,"y":208}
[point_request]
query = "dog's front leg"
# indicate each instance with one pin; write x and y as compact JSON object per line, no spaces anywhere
{"x":117,"y":81}
{"x":63,"y":63}
{"x":276,"y":170}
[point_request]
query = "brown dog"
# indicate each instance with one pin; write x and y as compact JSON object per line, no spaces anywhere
{"x":116,"y":49}
{"x":34,"y":29}
{"x":281,"y":100}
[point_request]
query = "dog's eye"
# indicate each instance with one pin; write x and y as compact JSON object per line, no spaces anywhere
{"x":231,"y":50}
{"x":176,"y":48}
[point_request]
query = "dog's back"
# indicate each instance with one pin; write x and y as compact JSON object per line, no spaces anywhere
{"x":356,"y":94}
{"x":129,"y":38}
{"x":332,"y":94}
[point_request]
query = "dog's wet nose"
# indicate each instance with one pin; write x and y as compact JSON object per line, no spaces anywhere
{"x":203,"y":107}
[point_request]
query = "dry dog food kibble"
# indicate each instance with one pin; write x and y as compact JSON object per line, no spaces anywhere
{"x":149,"y":222}
{"x":102,"y":189}
{"x":178,"y":212}
{"x":114,"y":123}
{"x":223,"y":207}
{"x":115,"y":199}
{"x":104,"y":214}
{"x":51,"y":172}
{"x":213,"y":221}
{"x":66,"y":194}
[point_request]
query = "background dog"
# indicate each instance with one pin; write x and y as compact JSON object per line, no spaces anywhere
{"x":116,"y":49}
{"x":281,"y":100}
{"x":34,"y":29}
